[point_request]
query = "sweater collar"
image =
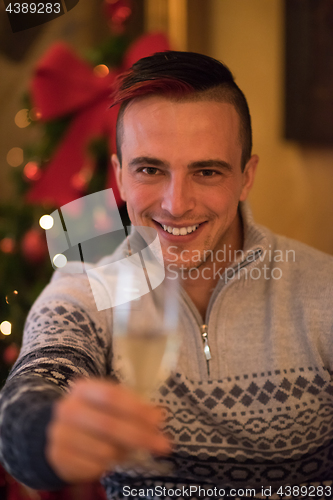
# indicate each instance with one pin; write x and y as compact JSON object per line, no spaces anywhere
{"x":255,"y":236}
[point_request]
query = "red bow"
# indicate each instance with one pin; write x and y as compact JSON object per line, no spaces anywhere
{"x":63,"y":85}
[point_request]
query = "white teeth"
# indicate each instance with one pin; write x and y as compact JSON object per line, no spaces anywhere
{"x":180,"y":231}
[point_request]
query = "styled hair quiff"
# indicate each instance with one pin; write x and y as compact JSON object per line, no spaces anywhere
{"x":184,"y":76}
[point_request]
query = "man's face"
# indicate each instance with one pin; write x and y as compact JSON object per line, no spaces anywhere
{"x":181,"y":172}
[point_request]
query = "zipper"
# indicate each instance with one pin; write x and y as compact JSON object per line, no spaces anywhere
{"x":204,"y":327}
{"x":204,"y":335}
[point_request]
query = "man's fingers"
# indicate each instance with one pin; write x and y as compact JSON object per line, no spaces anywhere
{"x":116,"y":399}
{"x":73,"y":467}
{"x":101,"y":452}
{"x":127,"y":433}
{"x":97,"y":424}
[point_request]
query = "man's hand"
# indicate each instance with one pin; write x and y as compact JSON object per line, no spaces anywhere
{"x":98,"y":424}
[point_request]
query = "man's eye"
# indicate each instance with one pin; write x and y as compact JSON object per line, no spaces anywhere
{"x":207,"y":173}
{"x":149,"y":170}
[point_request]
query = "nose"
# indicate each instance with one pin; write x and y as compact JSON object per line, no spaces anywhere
{"x":178,"y":198}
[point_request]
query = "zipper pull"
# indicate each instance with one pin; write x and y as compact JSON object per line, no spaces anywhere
{"x":204,"y":335}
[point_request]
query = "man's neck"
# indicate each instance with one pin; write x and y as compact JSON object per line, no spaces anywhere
{"x":202,"y":284}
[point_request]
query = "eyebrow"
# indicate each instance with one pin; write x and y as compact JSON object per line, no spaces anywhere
{"x":214,"y":163}
{"x":147,"y":160}
{"x":155,"y":162}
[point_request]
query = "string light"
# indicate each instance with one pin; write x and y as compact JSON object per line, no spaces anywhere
{"x":7,"y":245}
{"x":35,"y":114}
{"x":80,"y":180}
{"x":15,"y":157}
{"x":101,"y":70}
{"x":121,"y":15}
{"x":6,"y":328}
{"x":46,"y":222}
{"x":22,"y":118}
{"x":60,"y":260}
{"x":32,"y":171}
{"x":11,"y":296}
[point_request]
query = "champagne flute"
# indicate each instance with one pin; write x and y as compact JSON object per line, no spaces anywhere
{"x":146,"y":342}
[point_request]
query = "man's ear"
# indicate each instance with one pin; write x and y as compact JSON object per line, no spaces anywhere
{"x":118,"y":174}
{"x":248,"y":176}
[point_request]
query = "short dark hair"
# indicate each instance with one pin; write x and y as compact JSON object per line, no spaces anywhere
{"x":184,"y":76}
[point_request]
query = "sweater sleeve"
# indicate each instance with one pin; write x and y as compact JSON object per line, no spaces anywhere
{"x":65,"y":337}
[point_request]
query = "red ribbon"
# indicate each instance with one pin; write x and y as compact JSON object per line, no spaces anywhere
{"x":65,"y":85}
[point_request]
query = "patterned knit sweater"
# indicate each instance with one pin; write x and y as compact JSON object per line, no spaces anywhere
{"x":258,"y":415}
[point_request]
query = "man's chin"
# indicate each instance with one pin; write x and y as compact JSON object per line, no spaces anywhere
{"x":180,"y":265}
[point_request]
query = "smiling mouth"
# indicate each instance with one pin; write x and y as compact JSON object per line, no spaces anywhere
{"x":179,"y":231}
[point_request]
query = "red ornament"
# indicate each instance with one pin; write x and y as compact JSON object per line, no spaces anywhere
{"x":10,"y":354}
{"x":33,"y":245}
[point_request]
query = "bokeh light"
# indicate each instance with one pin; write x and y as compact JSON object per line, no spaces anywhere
{"x":101,"y":70}
{"x":46,"y":222}
{"x":15,"y":157}
{"x":35,"y":114}
{"x":60,"y":260}
{"x":102,"y":222}
{"x":11,"y":297}
{"x":22,"y":119}
{"x":122,"y":14}
{"x":81,"y":179}
{"x":6,"y":328}
{"x":32,"y":171}
{"x":7,"y":245}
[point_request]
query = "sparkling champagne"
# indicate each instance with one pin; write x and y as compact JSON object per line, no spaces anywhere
{"x":148,"y":358}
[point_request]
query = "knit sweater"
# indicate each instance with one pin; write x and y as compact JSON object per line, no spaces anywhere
{"x":258,"y":414}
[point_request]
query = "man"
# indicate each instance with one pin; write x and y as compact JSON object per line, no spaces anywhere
{"x":250,"y":405}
